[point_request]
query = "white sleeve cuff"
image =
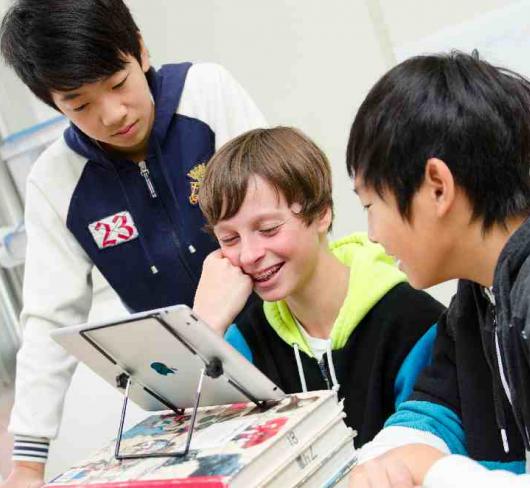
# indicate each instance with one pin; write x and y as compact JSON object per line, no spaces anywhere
{"x":34,"y":449}
{"x":393,"y":437}
{"x":455,"y":471}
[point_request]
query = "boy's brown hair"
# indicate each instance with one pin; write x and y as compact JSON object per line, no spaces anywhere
{"x":283,"y":156}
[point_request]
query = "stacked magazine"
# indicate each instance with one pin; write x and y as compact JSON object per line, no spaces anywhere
{"x":299,"y":441}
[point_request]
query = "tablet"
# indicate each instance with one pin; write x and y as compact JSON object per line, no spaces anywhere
{"x":163,"y":351}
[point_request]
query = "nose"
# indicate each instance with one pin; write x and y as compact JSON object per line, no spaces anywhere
{"x":251,"y":252}
{"x":113,"y":112}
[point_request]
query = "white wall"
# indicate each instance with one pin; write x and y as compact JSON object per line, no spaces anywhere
{"x":306,"y":63}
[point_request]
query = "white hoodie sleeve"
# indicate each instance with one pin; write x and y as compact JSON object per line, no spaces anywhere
{"x":459,"y":471}
{"x":57,"y":292}
{"x":212,"y":95}
{"x":393,"y":437}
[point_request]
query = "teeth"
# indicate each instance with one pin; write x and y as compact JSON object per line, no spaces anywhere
{"x":267,"y":274}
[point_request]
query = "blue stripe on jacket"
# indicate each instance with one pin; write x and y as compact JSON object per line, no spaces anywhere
{"x":445,"y":424}
{"x":234,"y":337}
{"x":417,"y":358}
{"x":431,"y":417}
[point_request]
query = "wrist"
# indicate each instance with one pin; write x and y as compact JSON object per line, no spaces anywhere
{"x":218,"y":326}
{"x":32,"y":468}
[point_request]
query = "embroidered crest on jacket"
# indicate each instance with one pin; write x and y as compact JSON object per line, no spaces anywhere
{"x":197,"y":175}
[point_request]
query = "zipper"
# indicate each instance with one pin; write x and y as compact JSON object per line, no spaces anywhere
{"x":147,"y":177}
{"x":492,"y":307}
{"x":324,"y":372}
{"x":491,"y":298}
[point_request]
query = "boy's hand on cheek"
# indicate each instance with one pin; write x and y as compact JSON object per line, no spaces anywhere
{"x":222,"y":292}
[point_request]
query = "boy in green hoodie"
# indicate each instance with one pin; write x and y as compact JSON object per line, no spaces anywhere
{"x":337,"y":315}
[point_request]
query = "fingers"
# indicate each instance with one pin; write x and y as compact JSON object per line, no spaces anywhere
{"x":381,"y":473}
{"x":399,"y":475}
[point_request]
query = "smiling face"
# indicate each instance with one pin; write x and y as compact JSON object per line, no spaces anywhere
{"x":117,"y":111}
{"x":420,"y":246}
{"x":271,"y":243}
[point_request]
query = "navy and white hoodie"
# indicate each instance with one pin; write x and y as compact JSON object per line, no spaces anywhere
{"x":139,"y":224}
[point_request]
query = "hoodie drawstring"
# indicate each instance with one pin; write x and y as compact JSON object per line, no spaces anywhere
{"x":299,"y":366}
{"x":335,"y":385}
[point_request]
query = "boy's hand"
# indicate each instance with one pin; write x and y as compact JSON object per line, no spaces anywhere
{"x":381,"y":473}
{"x":222,"y":292}
{"x":403,"y":467}
{"x":25,"y":474}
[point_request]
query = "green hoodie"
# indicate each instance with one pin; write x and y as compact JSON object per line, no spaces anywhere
{"x":372,"y":274}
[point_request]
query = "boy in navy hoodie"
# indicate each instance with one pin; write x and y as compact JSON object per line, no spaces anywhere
{"x":118,"y":191}
{"x":440,"y":151}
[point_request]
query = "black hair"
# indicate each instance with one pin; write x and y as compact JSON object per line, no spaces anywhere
{"x":63,"y":44}
{"x":472,"y":115}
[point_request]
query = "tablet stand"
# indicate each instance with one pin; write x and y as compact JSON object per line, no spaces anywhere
{"x":213,"y":369}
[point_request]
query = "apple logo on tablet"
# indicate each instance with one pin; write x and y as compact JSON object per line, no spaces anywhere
{"x":162,"y":369}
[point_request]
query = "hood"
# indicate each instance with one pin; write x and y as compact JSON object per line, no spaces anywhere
{"x":166,"y":86}
{"x":511,"y":283}
{"x":372,"y":274}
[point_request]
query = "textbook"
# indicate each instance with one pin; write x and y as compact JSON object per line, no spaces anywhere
{"x":239,"y":445}
{"x":316,"y":455}
{"x":333,"y":470}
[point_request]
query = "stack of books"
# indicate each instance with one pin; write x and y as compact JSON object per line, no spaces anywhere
{"x":299,"y":441}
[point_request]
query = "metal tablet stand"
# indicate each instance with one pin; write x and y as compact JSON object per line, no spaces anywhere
{"x":213,"y":369}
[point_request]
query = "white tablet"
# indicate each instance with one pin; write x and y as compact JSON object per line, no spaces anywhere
{"x":163,"y":352}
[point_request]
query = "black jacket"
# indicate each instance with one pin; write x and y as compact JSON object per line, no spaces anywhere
{"x":366,"y":367}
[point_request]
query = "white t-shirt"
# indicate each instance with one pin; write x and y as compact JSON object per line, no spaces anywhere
{"x":318,"y":346}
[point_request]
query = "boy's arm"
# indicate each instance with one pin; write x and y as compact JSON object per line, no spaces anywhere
{"x":434,"y":422}
{"x":462,"y":471}
{"x":414,"y":363}
{"x":25,"y":475}
{"x":57,"y":292}
{"x":212,"y":95}
{"x":430,"y":468}
{"x":222,"y":292}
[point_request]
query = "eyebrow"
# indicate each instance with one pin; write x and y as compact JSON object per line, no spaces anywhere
{"x":256,"y":219}
{"x":70,"y":96}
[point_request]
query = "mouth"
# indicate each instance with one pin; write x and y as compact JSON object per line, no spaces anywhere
{"x":126,"y":130}
{"x":265,"y":275}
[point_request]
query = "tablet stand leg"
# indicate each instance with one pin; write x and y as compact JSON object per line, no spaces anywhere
{"x":213,"y":369}
{"x":182,"y":453}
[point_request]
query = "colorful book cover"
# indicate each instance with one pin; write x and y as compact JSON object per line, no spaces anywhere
{"x":233,"y":445}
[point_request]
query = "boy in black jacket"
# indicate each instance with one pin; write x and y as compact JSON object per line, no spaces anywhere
{"x":440,"y":151}
{"x":333,"y":315}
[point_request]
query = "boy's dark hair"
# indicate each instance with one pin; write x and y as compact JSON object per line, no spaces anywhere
{"x":63,"y":44}
{"x":457,"y":108}
{"x":283,"y":156}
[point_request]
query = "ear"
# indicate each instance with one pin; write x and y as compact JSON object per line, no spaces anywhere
{"x":324,"y":220}
{"x":144,"y":55}
{"x":440,"y":185}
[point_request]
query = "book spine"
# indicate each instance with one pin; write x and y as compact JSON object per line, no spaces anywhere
{"x":289,"y":444}
{"x":195,"y":482}
{"x":312,"y":455}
